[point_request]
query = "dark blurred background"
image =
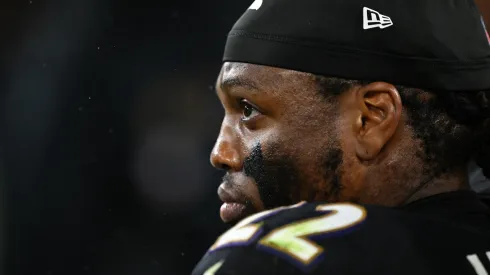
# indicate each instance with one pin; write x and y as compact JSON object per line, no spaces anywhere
{"x":108,"y":118}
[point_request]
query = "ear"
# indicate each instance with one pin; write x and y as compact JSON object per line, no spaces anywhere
{"x":380,"y":109}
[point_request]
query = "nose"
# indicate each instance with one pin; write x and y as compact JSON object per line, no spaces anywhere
{"x":226,"y":152}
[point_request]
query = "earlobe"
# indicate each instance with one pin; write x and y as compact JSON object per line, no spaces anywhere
{"x":380,"y":112}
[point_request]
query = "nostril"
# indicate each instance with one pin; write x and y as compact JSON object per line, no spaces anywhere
{"x":225,"y":167}
{"x":218,"y":163}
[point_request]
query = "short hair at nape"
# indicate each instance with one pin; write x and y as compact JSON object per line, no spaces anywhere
{"x":454,"y":127}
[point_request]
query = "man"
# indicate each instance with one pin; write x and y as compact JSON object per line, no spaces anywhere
{"x":380,"y":104}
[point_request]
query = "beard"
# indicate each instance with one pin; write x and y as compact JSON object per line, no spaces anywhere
{"x":280,"y":179}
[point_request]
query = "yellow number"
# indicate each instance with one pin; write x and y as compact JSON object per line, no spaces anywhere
{"x":244,"y":231}
{"x":212,"y":270}
{"x":291,"y":239}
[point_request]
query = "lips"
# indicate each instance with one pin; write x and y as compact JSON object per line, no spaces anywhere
{"x":234,"y":206}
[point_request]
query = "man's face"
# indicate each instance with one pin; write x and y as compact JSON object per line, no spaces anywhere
{"x":278,"y":141}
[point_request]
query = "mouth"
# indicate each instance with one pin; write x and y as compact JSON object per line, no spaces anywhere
{"x":234,"y":207}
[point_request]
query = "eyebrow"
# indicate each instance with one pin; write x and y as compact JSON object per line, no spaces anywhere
{"x":232,"y":82}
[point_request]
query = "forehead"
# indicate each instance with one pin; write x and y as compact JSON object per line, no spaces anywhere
{"x":263,"y":77}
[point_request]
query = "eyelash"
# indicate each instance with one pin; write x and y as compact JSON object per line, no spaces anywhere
{"x":244,"y":104}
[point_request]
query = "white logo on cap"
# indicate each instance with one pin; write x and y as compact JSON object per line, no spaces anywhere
{"x":256,"y":5}
{"x":374,"y":19}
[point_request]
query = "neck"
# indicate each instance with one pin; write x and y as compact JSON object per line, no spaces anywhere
{"x":443,"y":184}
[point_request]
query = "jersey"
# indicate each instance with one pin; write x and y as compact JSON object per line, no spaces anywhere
{"x":440,"y":235}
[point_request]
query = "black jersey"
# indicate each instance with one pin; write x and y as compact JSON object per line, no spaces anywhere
{"x":444,"y":234}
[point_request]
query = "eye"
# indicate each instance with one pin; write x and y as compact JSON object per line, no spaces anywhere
{"x":248,"y":110}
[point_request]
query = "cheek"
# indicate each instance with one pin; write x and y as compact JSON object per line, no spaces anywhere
{"x":266,"y":137}
{"x":316,"y":152}
{"x":307,"y":143}
{"x":305,"y":149}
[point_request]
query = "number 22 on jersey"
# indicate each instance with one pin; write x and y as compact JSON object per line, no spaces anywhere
{"x":292,"y":239}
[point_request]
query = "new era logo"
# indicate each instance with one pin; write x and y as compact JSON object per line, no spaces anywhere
{"x":374,"y":19}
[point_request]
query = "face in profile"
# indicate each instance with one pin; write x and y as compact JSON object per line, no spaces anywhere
{"x":278,"y":142}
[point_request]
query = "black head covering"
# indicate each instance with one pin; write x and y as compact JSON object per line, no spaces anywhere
{"x":432,"y":44}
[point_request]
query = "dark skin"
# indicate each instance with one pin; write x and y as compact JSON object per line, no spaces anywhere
{"x":282,"y":142}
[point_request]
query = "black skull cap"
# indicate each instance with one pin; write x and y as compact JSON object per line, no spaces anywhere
{"x":440,"y":45}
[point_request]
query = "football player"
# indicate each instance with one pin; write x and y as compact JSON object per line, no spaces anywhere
{"x":347,"y":132}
